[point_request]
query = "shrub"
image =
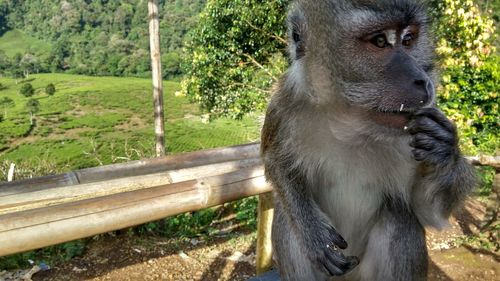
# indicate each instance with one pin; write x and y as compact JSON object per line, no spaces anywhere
{"x":27,"y":90}
{"x":470,"y":79}
{"x":236,"y":52}
{"x":50,"y":89}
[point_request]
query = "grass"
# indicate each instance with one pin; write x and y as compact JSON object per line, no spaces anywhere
{"x":15,"y":41}
{"x":94,"y":121}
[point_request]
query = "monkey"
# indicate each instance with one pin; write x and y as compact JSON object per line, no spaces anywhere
{"x":355,"y":146}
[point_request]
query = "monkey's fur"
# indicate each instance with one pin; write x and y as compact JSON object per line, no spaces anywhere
{"x":355,"y":146}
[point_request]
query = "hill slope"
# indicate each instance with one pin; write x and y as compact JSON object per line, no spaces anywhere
{"x":92,"y":121}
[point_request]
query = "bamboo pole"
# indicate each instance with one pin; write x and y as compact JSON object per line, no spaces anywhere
{"x":65,"y":194}
{"x":265,"y":221}
{"x":133,"y":168}
{"x":154,"y":43}
{"x":32,"y":229}
{"x":484,"y":160}
{"x":10,"y":175}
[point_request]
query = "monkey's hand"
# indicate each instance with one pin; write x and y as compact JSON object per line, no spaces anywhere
{"x":435,"y":141}
{"x":323,"y":244}
{"x":446,"y":176}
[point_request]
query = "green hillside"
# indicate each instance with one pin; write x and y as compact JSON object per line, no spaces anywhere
{"x":104,"y":38}
{"x":15,"y":41}
{"x":101,"y":120}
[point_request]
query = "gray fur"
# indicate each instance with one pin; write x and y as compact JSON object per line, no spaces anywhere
{"x":343,"y":170}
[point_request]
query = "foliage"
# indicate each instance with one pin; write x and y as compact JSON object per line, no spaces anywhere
{"x":5,"y":103}
{"x":50,"y":255}
{"x":50,"y":89}
{"x":27,"y":90}
{"x":486,"y":176}
{"x":92,"y":37}
{"x":201,"y":223}
{"x":470,"y":71}
{"x":32,"y":105}
{"x":236,"y":52}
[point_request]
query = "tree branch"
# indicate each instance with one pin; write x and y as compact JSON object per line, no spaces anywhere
{"x":281,"y":39}
{"x":261,"y":66}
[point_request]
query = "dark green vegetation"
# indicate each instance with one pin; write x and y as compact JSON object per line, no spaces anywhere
{"x":237,"y":51}
{"x":27,"y":90}
{"x":91,"y":37}
{"x":50,"y":89}
{"x":93,"y":121}
{"x":470,"y":81}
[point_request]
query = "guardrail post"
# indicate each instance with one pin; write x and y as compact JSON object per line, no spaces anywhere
{"x":265,"y":220}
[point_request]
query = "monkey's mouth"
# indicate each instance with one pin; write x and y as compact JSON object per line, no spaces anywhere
{"x":394,"y":119}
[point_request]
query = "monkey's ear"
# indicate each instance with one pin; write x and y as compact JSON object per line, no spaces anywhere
{"x":297,"y":34}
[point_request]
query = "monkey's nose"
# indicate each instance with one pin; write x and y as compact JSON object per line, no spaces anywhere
{"x":424,"y":90}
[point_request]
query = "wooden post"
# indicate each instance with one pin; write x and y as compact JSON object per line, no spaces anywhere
{"x":10,"y":175}
{"x":154,"y":42}
{"x":264,"y":245}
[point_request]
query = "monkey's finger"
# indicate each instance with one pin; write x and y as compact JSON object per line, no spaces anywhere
{"x":338,"y":263}
{"x":438,"y":156}
{"x":423,"y":141}
{"x":430,"y":127}
{"x":336,"y":238}
{"x":353,"y":262}
{"x":419,"y":154}
{"x":436,"y":115}
{"x":331,"y":269}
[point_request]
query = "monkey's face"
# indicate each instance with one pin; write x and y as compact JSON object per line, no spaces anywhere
{"x":374,"y":58}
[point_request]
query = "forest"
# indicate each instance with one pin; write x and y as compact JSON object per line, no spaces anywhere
{"x":99,"y":38}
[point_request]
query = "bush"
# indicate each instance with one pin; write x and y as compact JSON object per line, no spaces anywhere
{"x":470,"y":72}
{"x":50,"y":89}
{"x":27,"y":90}
{"x":236,"y":53}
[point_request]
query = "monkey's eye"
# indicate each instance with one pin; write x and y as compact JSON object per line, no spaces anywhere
{"x":379,"y":41}
{"x":407,"y":40}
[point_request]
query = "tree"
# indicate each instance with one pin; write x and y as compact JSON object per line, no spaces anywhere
{"x":27,"y":90}
{"x":32,"y":106}
{"x":29,"y":64}
{"x":236,"y":52}
{"x":171,"y":65}
{"x":50,"y":89}
{"x":470,"y":72}
{"x":16,"y":74}
{"x":5,"y":103}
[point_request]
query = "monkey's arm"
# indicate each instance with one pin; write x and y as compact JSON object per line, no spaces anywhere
{"x":318,"y":238}
{"x":309,"y":224}
{"x":444,"y":176}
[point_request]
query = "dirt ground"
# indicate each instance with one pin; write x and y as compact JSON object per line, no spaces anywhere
{"x":232,"y":257}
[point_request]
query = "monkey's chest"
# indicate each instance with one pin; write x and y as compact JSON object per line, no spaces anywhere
{"x":353,"y":195}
